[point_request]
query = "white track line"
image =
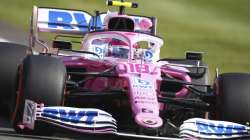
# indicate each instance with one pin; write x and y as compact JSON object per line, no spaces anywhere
{"x":3,"y":40}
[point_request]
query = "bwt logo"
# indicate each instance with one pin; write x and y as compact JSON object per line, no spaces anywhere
{"x":222,"y":129}
{"x":70,"y":20}
{"x":76,"y":20}
{"x":70,"y":115}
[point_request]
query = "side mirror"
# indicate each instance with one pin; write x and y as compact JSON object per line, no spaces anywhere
{"x":65,"y":45}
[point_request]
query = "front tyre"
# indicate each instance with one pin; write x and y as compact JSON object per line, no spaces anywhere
{"x":11,"y":56}
{"x":233,"y":97}
{"x":42,"y":80}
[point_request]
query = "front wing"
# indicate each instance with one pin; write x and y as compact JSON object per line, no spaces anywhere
{"x":96,"y":121}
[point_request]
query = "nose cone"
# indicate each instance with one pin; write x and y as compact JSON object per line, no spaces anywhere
{"x":148,"y":121}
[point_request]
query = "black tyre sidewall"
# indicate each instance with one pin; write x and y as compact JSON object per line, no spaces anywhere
{"x":11,"y":56}
{"x":43,"y":80}
{"x":233,"y":97}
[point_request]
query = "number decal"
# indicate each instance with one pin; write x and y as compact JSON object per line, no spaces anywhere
{"x":131,"y":67}
{"x":138,"y":68}
{"x":142,"y":68}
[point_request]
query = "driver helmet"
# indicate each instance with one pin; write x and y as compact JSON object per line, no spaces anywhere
{"x":118,"y":48}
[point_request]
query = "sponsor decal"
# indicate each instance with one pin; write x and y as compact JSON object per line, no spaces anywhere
{"x":29,"y":113}
{"x":141,"y":83}
{"x":145,"y":110}
{"x":71,"y":115}
{"x":145,"y":102}
{"x":144,"y":98}
{"x":73,"y":20}
{"x":212,"y":129}
{"x":219,"y":128}
{"x":99,"y":50}
{"x":67,"y":20}
{"x":148,"y":55}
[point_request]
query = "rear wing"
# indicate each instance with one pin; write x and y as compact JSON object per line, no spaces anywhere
{"x":72,"y":22}
{"x":61,"y":21}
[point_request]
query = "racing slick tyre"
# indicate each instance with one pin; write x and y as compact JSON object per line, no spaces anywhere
{"x":42,"y":80}
{"x":11,"y":55}
{"x":233,"y":97}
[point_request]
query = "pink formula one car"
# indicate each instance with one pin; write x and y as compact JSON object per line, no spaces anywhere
{"x":116,"y":84}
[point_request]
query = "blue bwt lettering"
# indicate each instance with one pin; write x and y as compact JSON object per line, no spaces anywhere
{"x":219,"y":129}
{"x":65,"y":20}
{"x":98,"y":25}
{"x":203,"y":127}
{"x":70,"y":116}
{"x":60,"y":19}
{"x":91,"y":115}
{"x":81,"y":21}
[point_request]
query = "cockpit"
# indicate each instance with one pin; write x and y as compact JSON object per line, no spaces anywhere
{"x":123,"y":45}
{"x":110,"y":47}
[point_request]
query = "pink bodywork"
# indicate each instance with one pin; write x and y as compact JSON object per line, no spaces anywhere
{"x":141,"y":79}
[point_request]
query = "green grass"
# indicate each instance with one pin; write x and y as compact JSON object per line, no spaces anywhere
{"x":220,"y":28}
